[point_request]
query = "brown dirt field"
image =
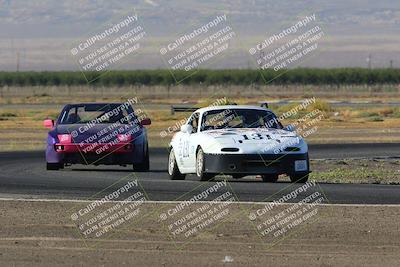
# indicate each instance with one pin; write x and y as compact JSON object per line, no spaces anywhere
{"x":42,"y":234}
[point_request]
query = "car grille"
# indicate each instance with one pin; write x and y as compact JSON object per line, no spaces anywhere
{"x":262,"y":164}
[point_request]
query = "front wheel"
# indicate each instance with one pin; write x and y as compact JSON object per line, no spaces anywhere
{"x":173,"y":170}
{"x":269,"y":178}
{"x":53,"y":166}
{"x":299,"y":178}
{"x":200,"y":167}
{"x":144,"y":166}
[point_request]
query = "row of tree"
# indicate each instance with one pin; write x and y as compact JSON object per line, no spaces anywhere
{"x":339,"y":76}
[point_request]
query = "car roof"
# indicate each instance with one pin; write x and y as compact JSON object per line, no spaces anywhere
{"x":93,"y":103}
{"x":231,"y":107}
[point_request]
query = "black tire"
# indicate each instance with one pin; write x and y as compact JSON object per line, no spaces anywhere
{"x":200,"y":167}
{"x":53,"y":166}
{"x":173,"y":170}
{"x":145,"y":165}
{"x":299,"y":178}
{"x":269,"y":178}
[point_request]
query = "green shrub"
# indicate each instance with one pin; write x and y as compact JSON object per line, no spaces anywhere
{"x":367,"y":114}
{"x":375,"y":118}
{"x":8,"y":114}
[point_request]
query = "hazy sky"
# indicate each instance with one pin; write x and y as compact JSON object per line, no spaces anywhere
{"x":39,"y":34}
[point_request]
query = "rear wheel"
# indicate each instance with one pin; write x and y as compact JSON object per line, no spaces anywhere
{"x":299,"y":178}
{"x":54,"y":166}
{"x":173,"y":170}
{"x":269,"y":178}
{"x":200,"y":167}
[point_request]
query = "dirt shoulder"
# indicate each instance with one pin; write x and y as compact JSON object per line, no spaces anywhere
{"x":42,"y":233}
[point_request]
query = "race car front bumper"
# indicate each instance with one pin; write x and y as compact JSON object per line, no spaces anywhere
{"x":94,"y":148}
{"x":255,"y":164}
{"x":97,"y":159}
{"x":96,"y":154}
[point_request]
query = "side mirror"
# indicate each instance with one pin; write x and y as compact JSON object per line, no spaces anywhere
{"x":145,"y":121}
{"x":186,"y":128}
{"x":289,"y":128}
{"x":48,"y":123}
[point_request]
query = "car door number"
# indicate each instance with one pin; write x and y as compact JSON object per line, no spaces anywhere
{"x":185,"y":149}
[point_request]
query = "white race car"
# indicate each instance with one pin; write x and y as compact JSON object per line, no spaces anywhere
{"x":237,"y":140}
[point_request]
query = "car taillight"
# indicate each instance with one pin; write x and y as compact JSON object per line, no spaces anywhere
{"x":64,"y":138}
{"x":124,"y":137}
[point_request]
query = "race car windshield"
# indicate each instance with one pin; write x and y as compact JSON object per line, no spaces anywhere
{"x":239,"y":118}
{"x":97,"y":113}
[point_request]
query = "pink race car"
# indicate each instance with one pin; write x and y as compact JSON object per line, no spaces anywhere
{"x":98,"y":133}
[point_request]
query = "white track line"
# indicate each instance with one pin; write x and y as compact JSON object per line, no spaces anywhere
{"x":202,"y":202}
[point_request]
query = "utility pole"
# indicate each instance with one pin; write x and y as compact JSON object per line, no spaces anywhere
{"x":369,"y":60}
{"x":261,"y":59}
{"x":18,"y":61}
{"x":391,"y":63}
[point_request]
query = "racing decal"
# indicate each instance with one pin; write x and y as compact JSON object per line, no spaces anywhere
{"x":185,"y":149}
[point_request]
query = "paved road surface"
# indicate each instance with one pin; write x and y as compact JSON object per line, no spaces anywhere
{"x":23,"y":174}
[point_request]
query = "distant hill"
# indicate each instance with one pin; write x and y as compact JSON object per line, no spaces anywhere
{"x":37,"y":35}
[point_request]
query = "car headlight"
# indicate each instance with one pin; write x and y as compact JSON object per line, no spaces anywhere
{"x":124,"y":137}
{"x":64,"y":138}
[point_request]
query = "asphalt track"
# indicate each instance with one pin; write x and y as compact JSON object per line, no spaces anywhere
{"x":23,"y":175}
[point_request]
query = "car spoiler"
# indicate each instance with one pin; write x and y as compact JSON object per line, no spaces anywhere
{"x":263,"y":104}
{"x":183,"y":109}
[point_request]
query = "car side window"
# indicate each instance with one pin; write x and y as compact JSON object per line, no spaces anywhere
{"x":194,"y":122}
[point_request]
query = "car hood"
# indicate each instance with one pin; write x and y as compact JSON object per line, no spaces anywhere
{"x":82,"y":133}
{"x":238,"y":134}
{"x":253,"y":140}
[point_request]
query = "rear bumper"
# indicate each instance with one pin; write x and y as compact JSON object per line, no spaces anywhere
{"x":255,"y":163}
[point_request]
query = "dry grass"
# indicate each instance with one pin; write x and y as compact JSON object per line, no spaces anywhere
{"x":22,"y":129}
{"x":356,"y":171}
{"x":21,"y":126}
